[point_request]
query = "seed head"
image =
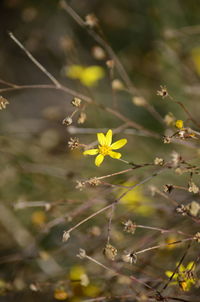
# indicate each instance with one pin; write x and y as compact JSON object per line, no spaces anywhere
{"x":76,"y":102}
{"x":110,"y":252}
{"x":159,"y":161}
{"x":73,"y":143}
{"x":163,"y":92}
{"x":129,"y":226}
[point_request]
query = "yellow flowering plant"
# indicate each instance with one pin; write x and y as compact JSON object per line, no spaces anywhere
{"x":106,"y":147}
{"x":184,"y":276}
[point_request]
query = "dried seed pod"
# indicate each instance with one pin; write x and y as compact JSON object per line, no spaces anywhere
{"x":159,"y":161}
{"x":110,"y":252}
{"x":129,"y":226}
{"x":193,"y":208}
{"x":3,"y":103}
{"x":66,"y":236}
{"x":76,"y":102}
{"x":163,"y":92}
{"x":73,"y":143}
{"x":67,"y":121}
{"x":129,"y":257}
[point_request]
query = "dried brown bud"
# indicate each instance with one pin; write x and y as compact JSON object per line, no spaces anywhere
{"x":76,"y":102}
{"x":80,"y":185}
{"x":82,"y":118}
{"x":139,"y":101}
{"x":94,"y":182}
{"x":73,"y":143}
{"x":192,"y":188}
{"x":167,"y":139}
{"x":110,"y":64}
{"x":110,"y":252}
{"x":117,"y":85}
{"x":129,"y":257}
{"x":193,"y":208}
{"x":66,"y":236}
{"x":67,"y":121}
{"x":98,"y":53}
{"x":82,"y":254}
{"x":159,"y":161}
{"x":3,"y":103}
{"x":163,"y":92}
{"x":168,"y":188}
{"x":129,"y":226}
{"x":197,"y":237}
{"x":91,"y":20}
{"x":181,"y":210}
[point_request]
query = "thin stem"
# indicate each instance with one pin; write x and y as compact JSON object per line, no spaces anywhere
{"x":35,"y":61}
{"x":115,"y":202}
{"x":118,"y":273}
{"x":89,"y":101}
{"x":162,"y":245}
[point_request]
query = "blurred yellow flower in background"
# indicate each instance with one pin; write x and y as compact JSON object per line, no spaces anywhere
{"x":195,"y":54}
{"x":184,"y":277}
{"x":38,"y":218}
{"x":135,"y":200}
{"x":105,"y":147}
{"x":78,"y":274}
{"x":88,"y":76}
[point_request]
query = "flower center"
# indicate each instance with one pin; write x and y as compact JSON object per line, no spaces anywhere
{"x":104,"y":150}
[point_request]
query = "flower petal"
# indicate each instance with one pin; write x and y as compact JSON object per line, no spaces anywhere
{"x":119,"y":144}
{"x":109,"y":137}
{"x":91,"y":152}
{"x":169,"y":274}
{"x":101,"y":139}
{"x":190,"y":265}
{"x":99,"y":159}
{"x":115,"y":155}
{"x":181,"y":268}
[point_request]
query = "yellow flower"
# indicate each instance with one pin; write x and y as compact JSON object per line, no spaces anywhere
{"x":88,"y":76}
{"x":105,"y":147}
{"x":184,"y":276}
{"x":135,"y":199}
{"x":179,"y":124}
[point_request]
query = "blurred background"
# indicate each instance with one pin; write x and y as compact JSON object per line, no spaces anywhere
{"x":158,"y":44}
